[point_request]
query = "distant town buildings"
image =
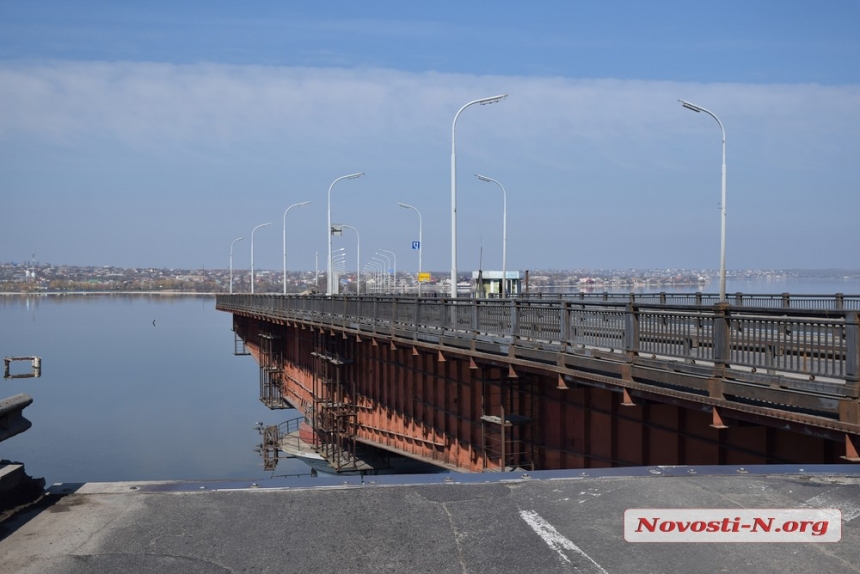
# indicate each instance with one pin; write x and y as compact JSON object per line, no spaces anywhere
{"x":34,"y":277}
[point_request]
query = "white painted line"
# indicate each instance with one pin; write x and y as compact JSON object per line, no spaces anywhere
{"x":850,"y":508}
{"x":554,"y":538}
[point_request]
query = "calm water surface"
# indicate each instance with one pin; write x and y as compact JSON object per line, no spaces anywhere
{"x":122,"y":399}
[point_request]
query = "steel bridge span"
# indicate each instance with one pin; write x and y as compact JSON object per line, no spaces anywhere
{"x":580,"y":382}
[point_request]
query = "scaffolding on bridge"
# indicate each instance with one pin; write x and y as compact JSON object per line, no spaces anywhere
{"x":239,"y":347}
{"x":271,"y":371}
{"x":509,"y":416}
{"x":335,"y":416}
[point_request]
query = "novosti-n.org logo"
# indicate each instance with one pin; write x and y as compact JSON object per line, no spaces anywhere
{"x":733,"y":525}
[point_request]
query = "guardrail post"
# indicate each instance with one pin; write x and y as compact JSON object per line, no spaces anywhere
{"x":474,"y":316}
{"x":662,"y":297}
{"x":699,"y":298}
{"x":786,"y":301}
{"x":564,"y":317}
{"x":852,"y":348}
{"x":631,"y":330}
{"x":840,"y":301}
{"x":721,"y":342}
{"x":515,"y":320}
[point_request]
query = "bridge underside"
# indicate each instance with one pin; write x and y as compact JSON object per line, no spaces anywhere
{"x":470,"y":411}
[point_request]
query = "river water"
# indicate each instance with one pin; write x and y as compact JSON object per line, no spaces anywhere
{"x":121,"y":398}
{"x":146,"y":387}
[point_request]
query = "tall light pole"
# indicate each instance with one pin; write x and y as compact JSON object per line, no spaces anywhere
{"x":336,"y":255}
{"x":697,"y":109}
{"x":394,"y":257}
{"x":357,"y":258}
{"x":252,"y":253}
{"x":504,"y":231}
{"x":420,"y":241}
{"x":231,"y":262}
{"x":304,"y":203}
{"x":386,"y":265}
{"x":374,"y":268}
{"x":328,"y":229}
{"x":483,"y":102}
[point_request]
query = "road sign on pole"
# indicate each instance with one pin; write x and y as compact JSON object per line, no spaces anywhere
{"x":416,"y":245}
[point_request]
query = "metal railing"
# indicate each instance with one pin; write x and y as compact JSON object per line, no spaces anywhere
{"x":810,"y":342}
{"x":838,"y":301}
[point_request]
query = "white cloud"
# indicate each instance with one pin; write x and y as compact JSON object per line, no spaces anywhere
{"x":619,"y":158}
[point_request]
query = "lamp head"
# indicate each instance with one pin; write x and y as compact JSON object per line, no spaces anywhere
{"x":690,"y":106}
{"x":355,"y":175}
{"x":483,"y":177}
{"x":493,"y":99}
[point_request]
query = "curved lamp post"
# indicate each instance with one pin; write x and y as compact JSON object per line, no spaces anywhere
{"x":328,"y":229}
{"x":420,"y":241}
{"x":336,"y":254}
{"x":252,"y":253}
{"x":357,"y":258}
{"x":394,"y":257}
{"x":231,"y":262}
{"x":697,"y":109}
{"x":386,"y":267}
{"x":483,"y":102}
{"x":373,"y":268}
{"x":304,"y":203}
{"x":504,"y":231}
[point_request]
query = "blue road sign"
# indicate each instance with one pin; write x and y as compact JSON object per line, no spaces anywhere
{"x":416,"y":245}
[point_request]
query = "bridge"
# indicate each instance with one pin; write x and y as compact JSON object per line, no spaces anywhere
{"x":578,"y":381}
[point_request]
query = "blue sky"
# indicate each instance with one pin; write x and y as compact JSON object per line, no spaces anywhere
{"x":153,"y":134}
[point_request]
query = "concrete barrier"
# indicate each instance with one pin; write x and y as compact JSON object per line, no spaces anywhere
{"x":12,"y":420}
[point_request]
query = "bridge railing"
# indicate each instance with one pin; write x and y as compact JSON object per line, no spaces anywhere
{"x":801,"y":345}
{"x":838,"y":301}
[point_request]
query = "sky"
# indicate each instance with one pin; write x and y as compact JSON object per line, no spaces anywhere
{"x":153,"y":134}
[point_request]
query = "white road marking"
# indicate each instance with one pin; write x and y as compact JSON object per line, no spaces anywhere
{"x":850,"y":509}
{"x":554,"y":538}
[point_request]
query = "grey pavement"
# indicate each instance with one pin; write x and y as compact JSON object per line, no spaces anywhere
{"x":560,"y":521}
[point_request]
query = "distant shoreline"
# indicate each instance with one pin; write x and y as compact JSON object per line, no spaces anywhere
{"x":102,"y":293}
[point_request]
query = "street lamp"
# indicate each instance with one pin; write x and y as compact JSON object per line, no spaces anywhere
{"x":697,"y":109}
{"x":420,"y":241}
{"x":337,"y":253}
{"x":394,"y":257}
{"x":328,"y":229}
{"x":483,"y":102}
{"x":357,"y":258}
{"x":504,"y":231}
{"x":231,"y":262}
{"x":386,"y":265}
{"x":304,"y":203}
{"x":252,"y":253}
{"x":373,"y":268}
{"x":338,"y":268}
